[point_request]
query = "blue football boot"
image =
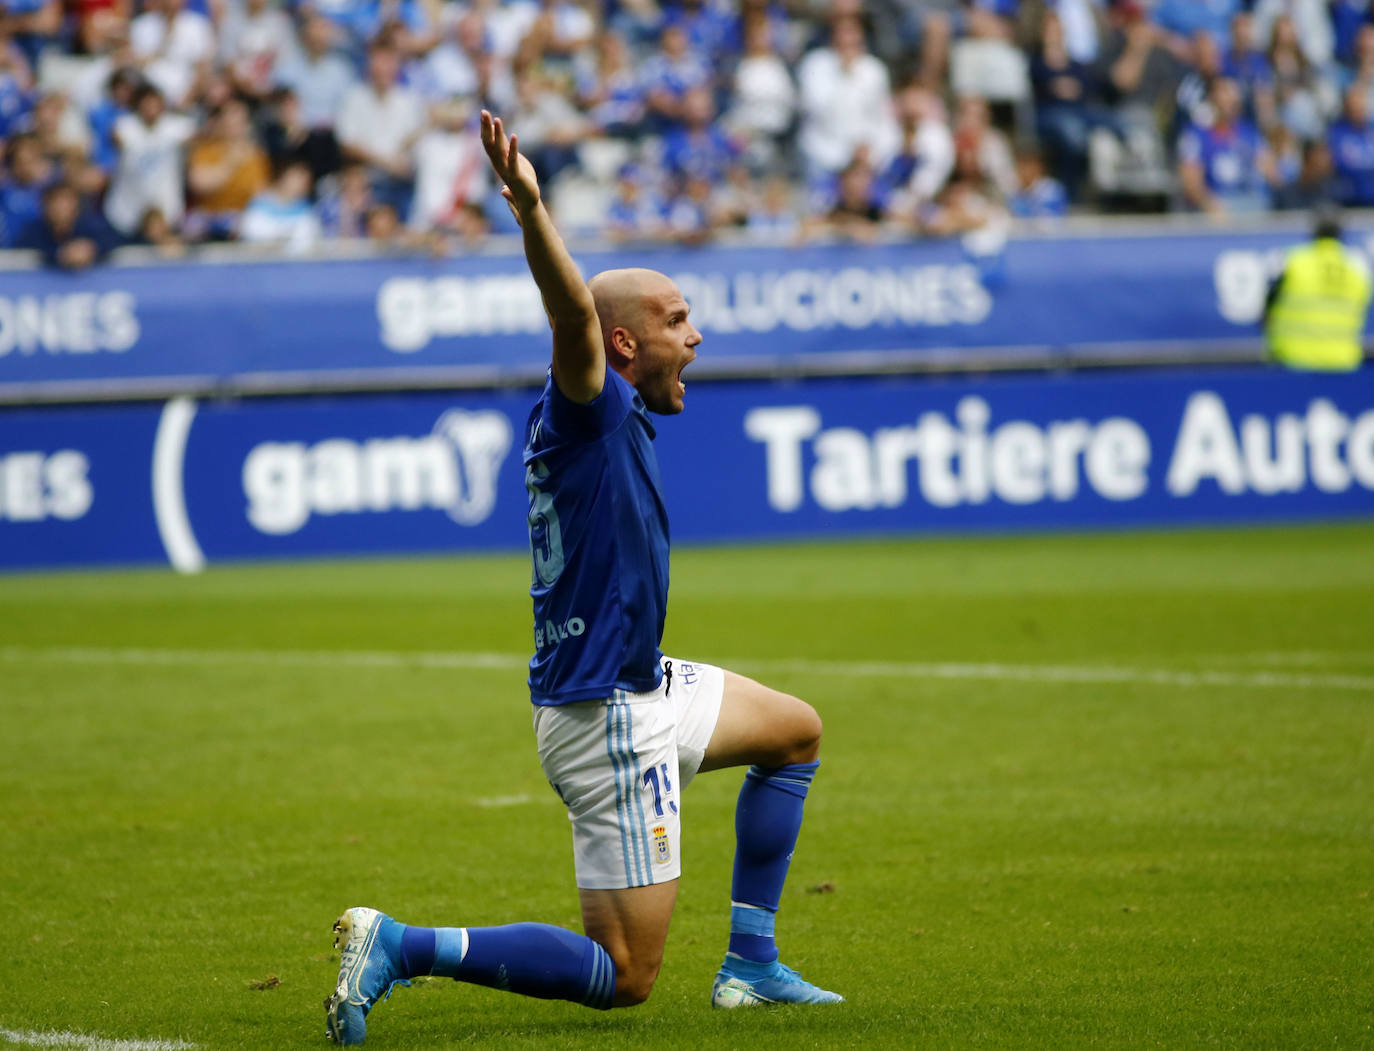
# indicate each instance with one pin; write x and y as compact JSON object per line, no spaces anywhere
{"x":370,"y":968}
{"x":744,"y":983}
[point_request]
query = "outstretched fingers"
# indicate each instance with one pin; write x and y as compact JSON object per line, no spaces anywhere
{"x":497,"y":146}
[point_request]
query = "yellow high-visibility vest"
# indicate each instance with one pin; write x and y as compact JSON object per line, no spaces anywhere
{"x":1317,"y":319}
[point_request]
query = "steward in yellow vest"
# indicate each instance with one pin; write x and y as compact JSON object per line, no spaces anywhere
{"x":1314,"y":316}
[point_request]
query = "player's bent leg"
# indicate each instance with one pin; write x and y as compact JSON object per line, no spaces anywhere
{"x":632,"y":925}
{"x":779,"y":735}
{"x":760,"y":726}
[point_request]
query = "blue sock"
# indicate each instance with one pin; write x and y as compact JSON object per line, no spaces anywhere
{"x":533,"y":959}
{"x":768,"y":818}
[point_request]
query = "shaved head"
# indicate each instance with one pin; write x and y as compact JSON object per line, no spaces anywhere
{"x":624,"y":297}
{"x":645,"y":331}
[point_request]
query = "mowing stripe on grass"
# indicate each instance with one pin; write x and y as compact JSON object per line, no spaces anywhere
{"x":1065,"y":674}
{"x":82,"y":1042}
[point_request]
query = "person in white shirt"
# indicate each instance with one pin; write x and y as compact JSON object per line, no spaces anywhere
{"x":846,"y":102}
{"x":765,"y":99}
{"x":317,"y":73}
{"x":379,"y":122}
{"x":149,"y":175}
{"x":452,"y":178}
{"x":172,"y":43}
{"x":256,"y":39}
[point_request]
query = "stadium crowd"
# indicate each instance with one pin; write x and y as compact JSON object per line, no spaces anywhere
{"x":290,"y":122}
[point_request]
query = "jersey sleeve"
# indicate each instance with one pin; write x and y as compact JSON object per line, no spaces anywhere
{"x":600,"y":416}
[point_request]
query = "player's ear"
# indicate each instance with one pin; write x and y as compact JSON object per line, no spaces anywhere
{"x":623,"y":343}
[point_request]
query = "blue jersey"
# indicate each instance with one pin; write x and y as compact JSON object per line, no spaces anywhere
{"x":599,"y":545}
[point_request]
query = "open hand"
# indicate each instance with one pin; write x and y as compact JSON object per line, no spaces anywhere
{"x":521,"y":185}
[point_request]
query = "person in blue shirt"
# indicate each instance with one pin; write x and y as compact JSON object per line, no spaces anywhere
{"x":620,"y":728}
{"x":1225,"y":167}
{"x":1351,"y":140}
{"x":68,"y":234}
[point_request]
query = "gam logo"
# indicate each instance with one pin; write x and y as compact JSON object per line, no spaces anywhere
{"x":452,"y":469}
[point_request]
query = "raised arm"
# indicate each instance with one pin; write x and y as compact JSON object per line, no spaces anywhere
{"x":579,"y":358}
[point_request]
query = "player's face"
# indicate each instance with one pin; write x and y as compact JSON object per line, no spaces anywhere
{"x":666,"y":347}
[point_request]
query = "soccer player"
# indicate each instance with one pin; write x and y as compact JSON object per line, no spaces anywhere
{"x":621,"y":729}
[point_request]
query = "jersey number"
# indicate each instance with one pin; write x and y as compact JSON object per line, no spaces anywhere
{"x":546,"y":538}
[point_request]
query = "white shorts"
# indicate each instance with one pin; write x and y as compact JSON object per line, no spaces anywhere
{"x":620,"y":765}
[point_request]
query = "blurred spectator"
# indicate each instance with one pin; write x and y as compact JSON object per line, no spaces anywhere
{"x":62,"y":131}
{"x":148,"y":174}
{"x":32,"y":24}
{"x":1302,"y":97}
{"x":966,"y":206}
{"x":452,"y":176}
{"x":379,"y":122}
{"x":550,"y":125}
{"x":1067,"y":105}
{"x":846,"y":102}
{"x":450,"y":68}
{"x":384,"y":229}
{"x":982,"y":154}
{"x":174,"y":43}
{"x":609,"y":90}
{"x":157,"y":233}
{"x":1225,"y":167}
{"x":16,"y":81}
{"x":257,"y":41}
{"x":764,"y":102}
{"x":68,"y":234}
{"x":638,"y":21}
{"x":1079,"y":19}
{"x":1361,"y":71}
{"x":344,"y":202}
{"x":688,"y":219}
{"x":925,"y":158}
{"x":104,"y":115}
{"x":281,"y":214}
{"x":1038,"y":194}
{"x":635,"y":213}
{"x":27,"y":174}
{"x":1141,"y":72}
{"x":318,"y":74}
{"x":712,"y":28}
{"x":856,"y":212}
{"x":225,"y":170}
{"x":774,"y":216}
{"x":1247,"y":64}
{"x":1347,"y":16}
{"x":1315,"y":182}
{"x":1311,"y":25}
{"x":1194,"y":93}
{"x":1183,"y":20}
{"x":288,"y":137}
{"x":699,"y":147}
{"x":1351,"y":140}
{"x":669,"y":73}
{"x":561,"y":29}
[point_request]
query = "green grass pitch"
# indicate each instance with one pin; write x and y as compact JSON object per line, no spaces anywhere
{"x":1111,"y":791}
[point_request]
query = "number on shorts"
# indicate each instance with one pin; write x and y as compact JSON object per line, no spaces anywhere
{"x":651,"y":783}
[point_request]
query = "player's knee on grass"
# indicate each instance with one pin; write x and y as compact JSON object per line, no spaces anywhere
{"x":634,"y":981}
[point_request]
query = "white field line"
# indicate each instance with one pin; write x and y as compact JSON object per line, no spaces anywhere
{"x":82,"y":1042}
{"x":1064,"y":674}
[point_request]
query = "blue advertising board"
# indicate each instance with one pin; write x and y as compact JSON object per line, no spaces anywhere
{"x":190,"y":482}
{"x":477,"y":319}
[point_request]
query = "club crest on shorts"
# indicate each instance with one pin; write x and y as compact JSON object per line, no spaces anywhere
{"x":661,"y":852}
